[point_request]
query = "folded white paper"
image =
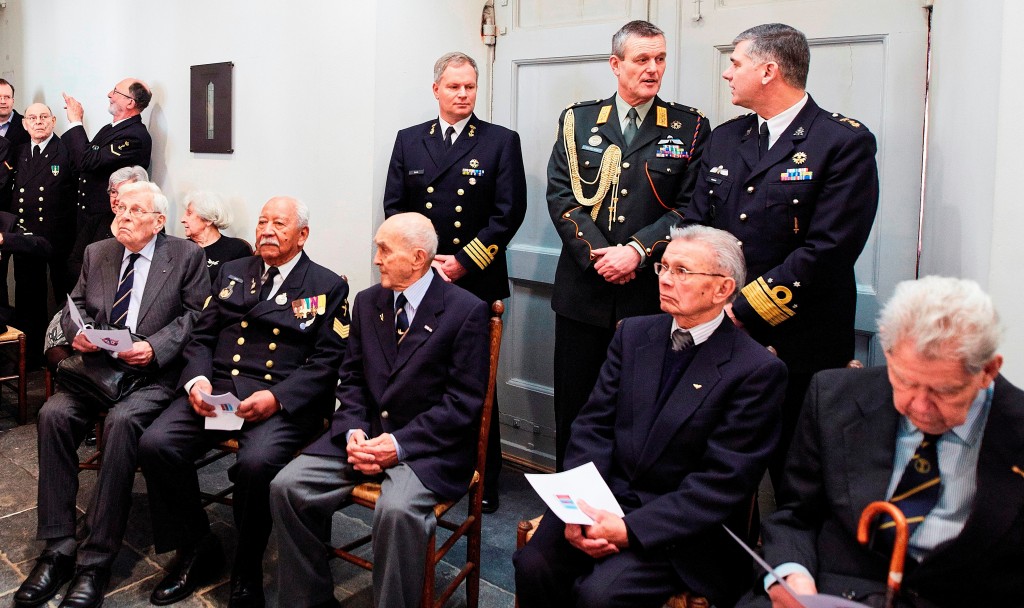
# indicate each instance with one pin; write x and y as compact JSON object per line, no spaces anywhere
{"x":224,"y":406}
{"x":561,"y":492}
{"x":113,"y":340}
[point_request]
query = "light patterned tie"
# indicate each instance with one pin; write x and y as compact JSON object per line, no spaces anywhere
{"x":918,"y":490}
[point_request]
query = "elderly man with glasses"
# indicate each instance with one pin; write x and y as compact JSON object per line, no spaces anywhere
{"x":155,"y":286}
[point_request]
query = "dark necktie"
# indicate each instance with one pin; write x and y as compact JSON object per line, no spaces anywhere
{"x":681,"y":339}
{"x":119,"y":312}
{"x":449,"y":137}
{"x":268,"y":282}
{"x":35,"y":151}
{"x":918,"y":490}
{"x":762,"y":140}
{"x":401,"y":317}
{"x":630,"y":131}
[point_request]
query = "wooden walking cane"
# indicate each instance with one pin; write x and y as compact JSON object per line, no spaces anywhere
{"x":899,"y":548}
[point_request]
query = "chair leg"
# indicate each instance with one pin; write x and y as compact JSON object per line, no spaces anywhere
{"x":22,"y":389}
{"x":473,"y":557}
{"x":427,"y":597}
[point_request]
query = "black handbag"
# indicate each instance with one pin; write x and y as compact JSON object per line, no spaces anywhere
{"x":100,"y":377}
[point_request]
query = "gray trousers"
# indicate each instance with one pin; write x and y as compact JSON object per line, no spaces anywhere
{"x":63,"y":422}
{"x":303,"y":499}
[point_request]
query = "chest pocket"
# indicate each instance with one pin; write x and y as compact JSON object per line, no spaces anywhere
{"x":718,"y":193}
{"x":789,"y":206}
{"x":589,"y":164}
{"x":666,"y":168}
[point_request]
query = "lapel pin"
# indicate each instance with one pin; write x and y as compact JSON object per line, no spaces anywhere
{"x":427,"y":327}
{"x":698,"y":386}
{"x":1017,"y":470}
{"x":281,"y":299}
{"x":381,"y":316}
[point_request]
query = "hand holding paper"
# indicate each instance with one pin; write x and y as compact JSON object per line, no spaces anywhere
{"x":224,"y":407}
{"x":114,"y":340}
{"x":562,"y":491}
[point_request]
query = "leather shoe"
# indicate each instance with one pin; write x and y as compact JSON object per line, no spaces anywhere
{"x":489,"y":504}
{"x":189,"y":570}
{"x":51,"y":571}
{"x":246,"y":592}
{"x":90,"y":437}
{"x":86,"y":589}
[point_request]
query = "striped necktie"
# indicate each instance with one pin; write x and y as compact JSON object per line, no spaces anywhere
{"x":401,"y":317}
{"x":123,"y":295}
{"x":918,"y":490}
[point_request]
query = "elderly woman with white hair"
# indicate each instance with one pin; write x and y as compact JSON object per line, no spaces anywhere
{"x":205,"y":216}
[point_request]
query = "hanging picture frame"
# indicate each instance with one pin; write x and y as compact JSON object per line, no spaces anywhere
{"x":210,"y":108}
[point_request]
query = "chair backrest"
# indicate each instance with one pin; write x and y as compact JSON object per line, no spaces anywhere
{"x":496,"y":327}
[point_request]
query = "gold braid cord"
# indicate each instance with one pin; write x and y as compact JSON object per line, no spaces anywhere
{"x":607,"y":178}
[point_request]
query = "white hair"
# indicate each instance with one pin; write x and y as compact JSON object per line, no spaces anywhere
{"x":728,"y":255}
{"x":209,"y":207}
{"x":159,"y":200}
{"x":940,"y":315}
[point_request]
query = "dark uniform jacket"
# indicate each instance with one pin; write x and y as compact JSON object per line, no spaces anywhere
{"x":428,"y":391}
{"x":44,"y":194}
{"x":16,"y":135}
{"x":803,"y":214}
{"x":112,"y":148}
{"x":842,"y":459}
{"x":290,"y":344}
{"x":658,"y":172}
{"x":475,"y":195}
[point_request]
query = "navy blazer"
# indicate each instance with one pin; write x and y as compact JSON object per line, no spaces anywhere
{"x":111,"y":148}
{"x":475,"y":195}
{"x":680,"y":473}
{"x":290,"y":344}
{"x":428,"y":392}
{"x":803,"y":214}
{"x":842,"y":459}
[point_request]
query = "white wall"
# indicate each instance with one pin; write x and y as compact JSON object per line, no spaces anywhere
{"x":974,"y":221}
{"x":319,"y":90}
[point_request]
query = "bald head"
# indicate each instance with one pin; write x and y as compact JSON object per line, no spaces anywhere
{"x":406,"y":245}
{"x":39,"y":121}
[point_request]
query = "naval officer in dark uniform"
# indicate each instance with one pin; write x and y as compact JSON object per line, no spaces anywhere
{"x":12,"y":136}
{"x":123,"y":143}
{"x":44,"y":197}
{"x":467,"y":176}
{"x":614,"y":191}
{"x":798,"y":186}
{"x":272,"y":333}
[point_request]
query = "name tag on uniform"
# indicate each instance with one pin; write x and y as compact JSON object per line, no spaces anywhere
{"x":416,"y":172}
{"x":592,"y":149}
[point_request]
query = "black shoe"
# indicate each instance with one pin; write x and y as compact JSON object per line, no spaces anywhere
{"x":51,"y":571}
{"x":189,"y":570}
{"x":489,"y":504}
{"x":246,"y":592}
{"x":87,"y":588}
{"x":90,"y":437}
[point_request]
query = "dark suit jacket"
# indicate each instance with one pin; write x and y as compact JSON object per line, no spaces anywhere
{"x":841,"y":460}
{"x":125,"y":145}
{"x":16,"y":241}
{"x":428,"y":392}
{"x":680,"y":473}
{"x":244,"y":345}
{"x":800,"y":237}
{"x":173,"y":297}
{"x":475,"y":195}
{"x":579,"y":292}
{"x":44,"y":193}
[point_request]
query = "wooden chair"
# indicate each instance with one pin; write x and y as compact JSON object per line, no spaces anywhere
{"x":16,"y":338}
{"x":366,"y":495}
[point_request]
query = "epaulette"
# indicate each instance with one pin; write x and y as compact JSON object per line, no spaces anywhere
{"x":734,"y":118}
{"x":588,"y":102}
{"x":850,"y":123}
{"x":679,"y":106}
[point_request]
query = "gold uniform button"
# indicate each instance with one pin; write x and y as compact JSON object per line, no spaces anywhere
{"x":21,"y":210}
{"x":458,"y":224}
{"x":236,"y":358}
{"x":268,"y":377}
{"x":668,"y":170}
{"x":625,"y":165}
{"x":750,"y":189}
{"x":40,"y":188}
{"x":586,"y":163}
{"x":458,"y":208}
{"x":270,"y":364}
{"x":455,"y":241}
{"x":460,"y":191}
{"x":430,"y":189}
{"x":796,"y":201}
{"x":739,"y":243}
{"x":384,"y":414}
{"x":272,"y":346}
{"x":743,"y":217}
{"x":21,"y":190}
{"x":241,"y":341}
{"x":429,"y":205}
{"x":277,"y":332}
{"x":40,"y":199}
{"x":21,"y":220}
{"x":40,"y":218}
{"x":245,"y":324}
{"x":648,"y":252}
{"x":21,"y":200}
{"x":579,"y":234}
{"x":624,"y":192}
{"x":622,"y":219}
{"x":234,"y":372}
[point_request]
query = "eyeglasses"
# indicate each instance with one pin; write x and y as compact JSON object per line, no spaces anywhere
{"x":40,"y":118}
{"x":135,"y":211}
{"x":680,"y":273}
{"x":129,"y":97}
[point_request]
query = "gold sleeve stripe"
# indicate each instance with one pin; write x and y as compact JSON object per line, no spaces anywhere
{"x":769,"y":302}
{"x":481,"y":255}
{"x":341,"y":329}
{"x":115,"y":152}
{"x":207,"y":302}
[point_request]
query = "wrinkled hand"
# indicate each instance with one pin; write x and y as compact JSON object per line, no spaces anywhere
{"x":451,"y":267}
{"x":371,"y":456}
{"x":800,"y":582}
{"x":604,"y":537}
{"x":198,"y":405}
{"x":440,"y":271}
{"x":74,"y":108}
{"x":83,"y":345}
{"x":258,"y":406}
{"x":140,"y":354}
{"x":617,"y":264}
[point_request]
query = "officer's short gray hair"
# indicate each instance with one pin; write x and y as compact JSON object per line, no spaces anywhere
{"x":783,"y":44}
{"x":159,"y":200}
{"x":638,"y":29}
{"x":728,"y":255}
{"x":209,"y":207}
{"x":940,"y":316}
{"x":128,"y":174}
{"x":454,"y":59}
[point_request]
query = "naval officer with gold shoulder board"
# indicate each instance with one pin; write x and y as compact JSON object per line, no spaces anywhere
{"x":620,"y":173}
